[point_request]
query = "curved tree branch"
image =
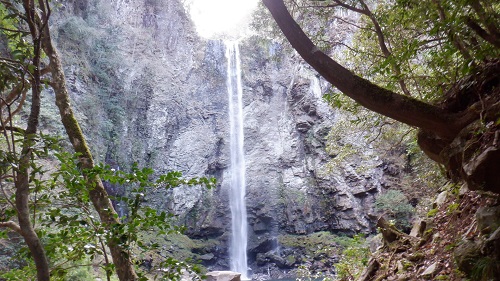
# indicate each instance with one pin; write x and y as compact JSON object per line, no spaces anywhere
{"x":12,"y":225}
{"x":22,"y":182}
{"x":399,"y":107}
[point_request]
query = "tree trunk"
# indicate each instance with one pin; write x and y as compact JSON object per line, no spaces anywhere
{"x":22,"y":176}
{"x":461,"y":133}
{"x":23,"y":215}
{"x":401,"y":108}
{"x":98,"y":195}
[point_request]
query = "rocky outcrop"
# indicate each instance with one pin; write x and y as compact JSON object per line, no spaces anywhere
{"x":148,"y":90}
{"x":461,"y":239}
{"x":223,"y":276}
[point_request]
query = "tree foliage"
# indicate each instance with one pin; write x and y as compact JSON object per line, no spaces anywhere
{"x":428,"y":45}
{"x":435,"y":47}
{"x":394,"y":204}
{"x":353,"y":259}
{"x":69,"y":227}
{"x":65,"y":216}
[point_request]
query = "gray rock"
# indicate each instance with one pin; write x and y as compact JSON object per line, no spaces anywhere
{"x":418,"y":228}
{"x":440,"y":199}
{"x":223,"y":276}
{"x":159,"y":99}
{"x":431,"y":270}
{"x":466,"y":255}
{"x":376,"y":242}
{"x":207,"y":257}
{"x":488,"y":219}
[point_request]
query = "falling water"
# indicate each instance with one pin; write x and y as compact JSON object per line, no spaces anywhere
{"x":237,"y":192}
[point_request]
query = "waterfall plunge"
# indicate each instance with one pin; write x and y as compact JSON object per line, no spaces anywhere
{"x":237,"y":188}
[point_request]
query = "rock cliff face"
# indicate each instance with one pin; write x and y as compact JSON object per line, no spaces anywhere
{"x":150,"y":91}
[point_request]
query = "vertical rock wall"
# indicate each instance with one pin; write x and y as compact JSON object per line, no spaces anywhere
{"x":150,"y":91}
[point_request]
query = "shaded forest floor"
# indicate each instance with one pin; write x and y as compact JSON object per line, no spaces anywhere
{"x":437,"y":246}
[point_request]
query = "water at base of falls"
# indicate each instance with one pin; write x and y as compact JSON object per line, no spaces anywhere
{"x":237,"y":189}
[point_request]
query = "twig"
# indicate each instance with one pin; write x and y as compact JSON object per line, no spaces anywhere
{"x":6,"y":195}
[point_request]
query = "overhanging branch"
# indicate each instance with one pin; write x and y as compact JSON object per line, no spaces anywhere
{"x":398,"y":107}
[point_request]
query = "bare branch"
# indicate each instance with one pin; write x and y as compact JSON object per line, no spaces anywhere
{"x":352,"y":8}
{"x":15,"y":30}
{"x":12,"y":225}
{"x":355,"y":25}
{"x":10,"y":128}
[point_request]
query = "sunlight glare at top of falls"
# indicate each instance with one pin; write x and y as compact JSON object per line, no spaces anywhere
{"x":220,"y":19}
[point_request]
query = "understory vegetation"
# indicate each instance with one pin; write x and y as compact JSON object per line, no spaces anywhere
{"x":73,"y":236}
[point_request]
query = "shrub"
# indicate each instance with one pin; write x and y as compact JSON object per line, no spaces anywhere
{"x":395,"y":205}
{"x":354,"y":258}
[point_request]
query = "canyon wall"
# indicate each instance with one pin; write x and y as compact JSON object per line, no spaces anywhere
{"x":149,"y":90}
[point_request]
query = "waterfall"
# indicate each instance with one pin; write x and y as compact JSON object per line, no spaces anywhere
{"x":237,"y":189}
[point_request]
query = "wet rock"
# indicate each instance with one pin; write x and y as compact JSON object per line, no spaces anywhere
{"x":265,"y":245}
{"x":274,"y":258}
{"x":304,"y":123}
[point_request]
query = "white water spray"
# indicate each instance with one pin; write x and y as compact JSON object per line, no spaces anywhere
{"x":237,"y":191}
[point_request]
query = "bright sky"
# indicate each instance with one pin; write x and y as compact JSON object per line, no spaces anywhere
{"x":221,"y":18}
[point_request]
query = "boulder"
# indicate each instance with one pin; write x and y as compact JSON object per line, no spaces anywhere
{"x":466,"y":255}
{"x":370,"y":270}
{"x":488,"y":219}
{"x":223,"y":276}
{"x":418,"y":228}
{"x":304,"y":123}
{"x":265,"y":245}
{"x":431,"y":270}
{"x":441,"y":198}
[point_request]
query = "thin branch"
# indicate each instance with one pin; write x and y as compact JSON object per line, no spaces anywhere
{"x":485,"y":19}
{"x":10,"y":128}
{"x":380,"y":129}
{"x":6,"y":195}
{"x":15,"y":30}
{"x":13,"y":9}
{"x":348,"y":7}
{"x":490,"y":38}
{"x":4,"y":131}
{"x":356,"y":50}
{"x":353,"y":24}
{"x":12,"y":225}
{"x":7,"y":61}
{"x":404,"y":135}
{"x":12,"y":138}
{"x":72,"y":266}
{"x":383,"y":47}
